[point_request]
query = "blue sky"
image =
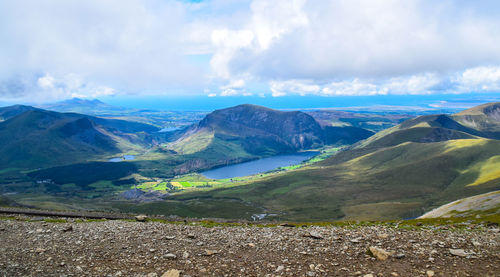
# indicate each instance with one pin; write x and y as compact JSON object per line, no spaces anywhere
{"x":57,"y":49}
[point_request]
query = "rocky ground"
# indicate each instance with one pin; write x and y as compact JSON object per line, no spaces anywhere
{"x":125,"y":248}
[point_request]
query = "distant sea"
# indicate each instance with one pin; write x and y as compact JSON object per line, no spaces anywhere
{"x":379,"y":102}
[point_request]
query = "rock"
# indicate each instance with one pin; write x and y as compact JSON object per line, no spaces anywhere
{"x":430,"y":273}
{"x":310,"y":274}
{"x":399,"y":256}
{"x":170,"y":256}
{"x":172,"y":273}
{"x":280,"y":268}
{"x":185,"y":255}
{"x":383,"y":235}
{"x":458,"y":252}
{"x":190,"y":236}
{"x":210,"y":252}
{"x":394,"y":274}
{"x":251,"y":245}
{"x":314,"y":235}
{"x":287,"y":225}
{"x":368,"y":275}
{"x":152,"y":274}
{"x":68,"y":228}
{"x":40,"y":250}
{"x":380,"y":253}
{"x":141,"y":218}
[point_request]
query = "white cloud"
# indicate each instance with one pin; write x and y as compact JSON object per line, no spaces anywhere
{"x":46,"y":82}
{"x":212,"y":95}
{"x":57,"y":48}
{"x":302,"y":87}
{"x":330,"y":40}
{"x":485,"y":78}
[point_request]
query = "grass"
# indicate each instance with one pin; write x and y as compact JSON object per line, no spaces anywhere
{"x":394,"y":182}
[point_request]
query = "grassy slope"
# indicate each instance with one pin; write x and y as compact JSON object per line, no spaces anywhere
{"x":394,"y":182}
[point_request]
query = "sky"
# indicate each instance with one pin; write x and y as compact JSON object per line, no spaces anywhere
{"x":216,"y":49}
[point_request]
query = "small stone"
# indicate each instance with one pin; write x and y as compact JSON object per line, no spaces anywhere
{"x":458,"y":252}
{"x":210,"y":252}
{"x":311,"y":274}
{"x":430,"y":273}
{"x":172,"y":273}
{"x":141,"y":217}
{"x":383,"y":236}
{"x":152,"y":250}
{"x":62,"y":264}
{"x":40,"y":250}
{"x":190,"y":236}
{"x":314,"y":235}
{"x":394,"y":274}
{"x":169,"y":237}
{"x":170,"y":256}
{"x":251,"y":245}
{"x":185,"y":255}
{"x":368,"y":275}
{"x":68,"y":228}
{"x":152,"y":274}
{"x":280,"y":268}
{"x":380,"y":253}
{"x":399,"y":256}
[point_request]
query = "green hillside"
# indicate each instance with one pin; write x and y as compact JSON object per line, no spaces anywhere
{"x":398,"y":173}
{"x":38,"y":138}
{"x":259,"y":131}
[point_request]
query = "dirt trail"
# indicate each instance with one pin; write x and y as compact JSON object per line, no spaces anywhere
{"x":123,"y":248}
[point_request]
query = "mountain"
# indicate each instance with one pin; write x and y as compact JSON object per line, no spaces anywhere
{"x":261,"y":131}
{"x":398,"y":173}
{"x":40,"y":138}
{"x":482,"y":121}
{"x":11,"y":111}
{"x":79,"y":105}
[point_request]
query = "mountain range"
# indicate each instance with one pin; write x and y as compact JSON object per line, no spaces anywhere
{"x":400,"y":172}
{"x":261,"y":131}
{"x":39,"y":138}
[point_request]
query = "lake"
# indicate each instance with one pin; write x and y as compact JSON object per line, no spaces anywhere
{"x":257,"y":166}
{"x":121,"y":159}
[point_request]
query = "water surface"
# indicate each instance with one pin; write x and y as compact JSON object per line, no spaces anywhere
{"x":257,"y":166}
{"x":121,"y":159}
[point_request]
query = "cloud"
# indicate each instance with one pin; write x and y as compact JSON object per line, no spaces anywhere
{"x":359,"y":39}
{"x":302,"y":87}
{"x":57,"y":48}
{"x":485,"y":78}
{"x":46,"y":82}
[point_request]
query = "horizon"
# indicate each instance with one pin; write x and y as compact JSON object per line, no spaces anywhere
{"x":412,"y":103}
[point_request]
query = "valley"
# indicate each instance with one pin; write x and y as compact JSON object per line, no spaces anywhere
{"x":346,"y":172}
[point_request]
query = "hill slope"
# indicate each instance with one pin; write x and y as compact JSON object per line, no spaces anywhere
{"x":259,"y":131}
{"x":39,"y":138}
{"x":483,"y":204}
{"x":398,"y":173}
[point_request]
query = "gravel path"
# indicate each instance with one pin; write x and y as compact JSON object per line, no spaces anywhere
{"x":123,"y":248}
